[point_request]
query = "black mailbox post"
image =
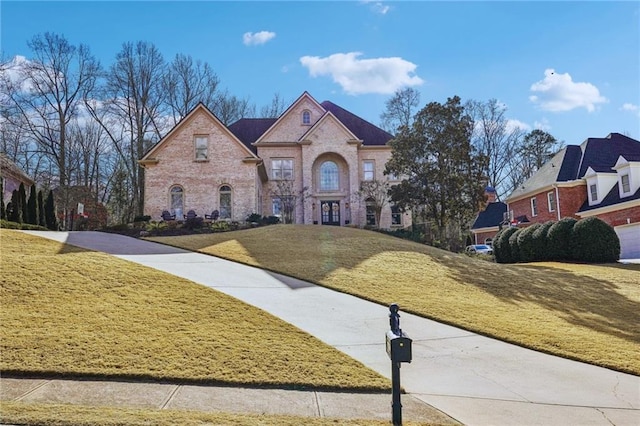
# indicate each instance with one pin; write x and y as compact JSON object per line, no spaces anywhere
{"x":399,"y":350}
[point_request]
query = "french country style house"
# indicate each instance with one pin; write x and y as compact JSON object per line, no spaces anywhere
{"x":312,"y":158}
{"x":600,"y":177}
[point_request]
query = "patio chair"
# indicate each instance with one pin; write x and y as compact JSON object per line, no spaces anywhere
{"x":191,"y":214}
{"x":213,"y":216}
{"x":167,"y":216}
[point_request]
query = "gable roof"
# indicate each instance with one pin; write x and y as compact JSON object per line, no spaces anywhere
{"x":573,"y":161}
{"x":248,"y":130}
{"x":326,"y":117}
{"x":8,"y":167}
{"x":199,"y":107}
{"x":369,"y":134}
{"x":492,"y":216}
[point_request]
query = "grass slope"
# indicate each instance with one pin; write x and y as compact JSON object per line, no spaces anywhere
{"x":72,"y":312}
{"x":69,"y":415}
{"x":585,"y":312}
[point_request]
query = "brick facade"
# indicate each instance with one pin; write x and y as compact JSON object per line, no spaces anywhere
{"x":230,"y":163}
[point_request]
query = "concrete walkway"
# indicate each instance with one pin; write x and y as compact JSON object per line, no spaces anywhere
{"x":474,"y":379}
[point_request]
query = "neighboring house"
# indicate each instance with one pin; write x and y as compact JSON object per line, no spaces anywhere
{"x":319,"y":152}
{"x":489,"y":220}
{"x":600,"y":177}
{"x":12,"y":176}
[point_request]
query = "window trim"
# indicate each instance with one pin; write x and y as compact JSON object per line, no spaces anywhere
{"x":534,"y":207}
{"x":196,"y":138}
{"x":593,"y":192}
{"x":172,"y":209}
{"x":281,"y":169}
{"x":628,"y":185}
{"x":222,"y":190}
{"x":337,"y":177}
{"x":550,"y":205}
{"x":306,"y":118}
{"x":370,"y":212}
{"x":365,"y":171}
{"x":397,"y":214}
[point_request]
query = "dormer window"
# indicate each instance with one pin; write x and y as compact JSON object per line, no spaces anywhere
{"x":626,"y":185}
{"x":306,"y":118}
{"x":593,"y":190}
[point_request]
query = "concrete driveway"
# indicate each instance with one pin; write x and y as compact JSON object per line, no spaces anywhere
{"x":474,"y":379}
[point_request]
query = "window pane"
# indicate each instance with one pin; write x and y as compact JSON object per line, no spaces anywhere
{"x":367,"y":168}
{"x":201,"y":148}
{"x":329,"y":180}
{"x":594,"y":192}
{"x":626,"y":187}
{"x":225,"y":202}
{"x":177,"y":198}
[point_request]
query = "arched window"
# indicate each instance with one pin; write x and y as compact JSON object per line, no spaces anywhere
{"x":176,"y":194}
{"x":225,"y":202}
{"x":329,"y":176}
{"x":306,"y":117}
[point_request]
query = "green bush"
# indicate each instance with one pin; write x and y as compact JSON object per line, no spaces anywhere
{"x":595,"y":241}
{"x":145,"y":218}
{"x":513,"y":246}
{"x":26,"y":226}
{"x":220,"y":226}
{"x":540,"y":241}
{"x":526,"y":246}
{"x":272,"y":220}
{"x":559,"y":239}
{"x":193,"y":223}
{"x":501,"y":248}
{"x":254,"y":218}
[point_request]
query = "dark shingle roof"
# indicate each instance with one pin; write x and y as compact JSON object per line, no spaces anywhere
{"x":365,"y":131}
{"x":570,"y":164}
{"x":612,"y":198}
{"x":248,"y":130}
{"x":491,"y":216}
{"x":601,"y":154}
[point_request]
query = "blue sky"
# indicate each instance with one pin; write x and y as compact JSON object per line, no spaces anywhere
{"x":571,"y":68}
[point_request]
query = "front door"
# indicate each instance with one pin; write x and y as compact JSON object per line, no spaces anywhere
{"x":330,"y":212}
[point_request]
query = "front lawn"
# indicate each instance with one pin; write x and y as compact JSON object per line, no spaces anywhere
{"x":584,"y":312}
{"x":70,"y":312}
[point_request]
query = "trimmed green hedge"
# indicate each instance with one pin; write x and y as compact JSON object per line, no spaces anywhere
{"x":595,"y":241}
{"x":588,"y":240}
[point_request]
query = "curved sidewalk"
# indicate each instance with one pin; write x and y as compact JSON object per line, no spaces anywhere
{"x":474,"y":379}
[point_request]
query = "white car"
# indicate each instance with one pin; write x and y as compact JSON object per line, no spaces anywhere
{"x":479,"y":249}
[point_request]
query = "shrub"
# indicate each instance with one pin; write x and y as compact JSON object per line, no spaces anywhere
{"x":154,"y":226}
{"x":539,"y":241}
{"x":145,"y":218}
{"x":50,"y":212}
{"x":32,"y":207}
{"x":526,"y":246}
{"x":220,"y":226}
{"x":193,"y":223}
{"x":26,"y":226}
{"x":559,"y":239}
{"x":7,"y":224}
{"x":595,"y":241}
{"x":501,"y":248}
{"x":513,"y":246}
{"x":272,"y":220}
{"x":254,"y":218}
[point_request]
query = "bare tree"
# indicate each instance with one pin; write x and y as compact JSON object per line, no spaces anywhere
{"x":188,"y":82}
{"x":275,"y":108}
{"x":131,"y":112}
{"x":47,"y":95}
{"x":377,"y":193}
{"x":496,"y":141}
{"x":400,"y":109}
{"x":288,"y":197}
{"x":229,"y":108}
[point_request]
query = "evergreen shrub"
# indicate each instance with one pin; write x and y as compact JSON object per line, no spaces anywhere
{"x":540,"y":241}
{"x":513,"y":246}
{"x":559,"y":239}
{"x":501,"y":248}
{"x":595,"y":241}
{"x":526,"y":246}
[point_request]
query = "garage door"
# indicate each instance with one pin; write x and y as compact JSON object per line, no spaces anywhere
{"x":629,"y":241}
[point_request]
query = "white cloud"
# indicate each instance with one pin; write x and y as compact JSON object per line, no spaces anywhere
{"x":378,"y":7}
{"x":558,"y":92}
{"x":359,"y":76}
{"x":631,"y":107}
{"x":13,"y":72}
{"x":254,"y":39}
{"x":542,"y":125}
{"x":513,"y":124}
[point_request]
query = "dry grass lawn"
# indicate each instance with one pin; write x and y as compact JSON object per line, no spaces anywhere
{"x":68,"y":415}
{"x":585,"y":312}
{"x":70,"y":312}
